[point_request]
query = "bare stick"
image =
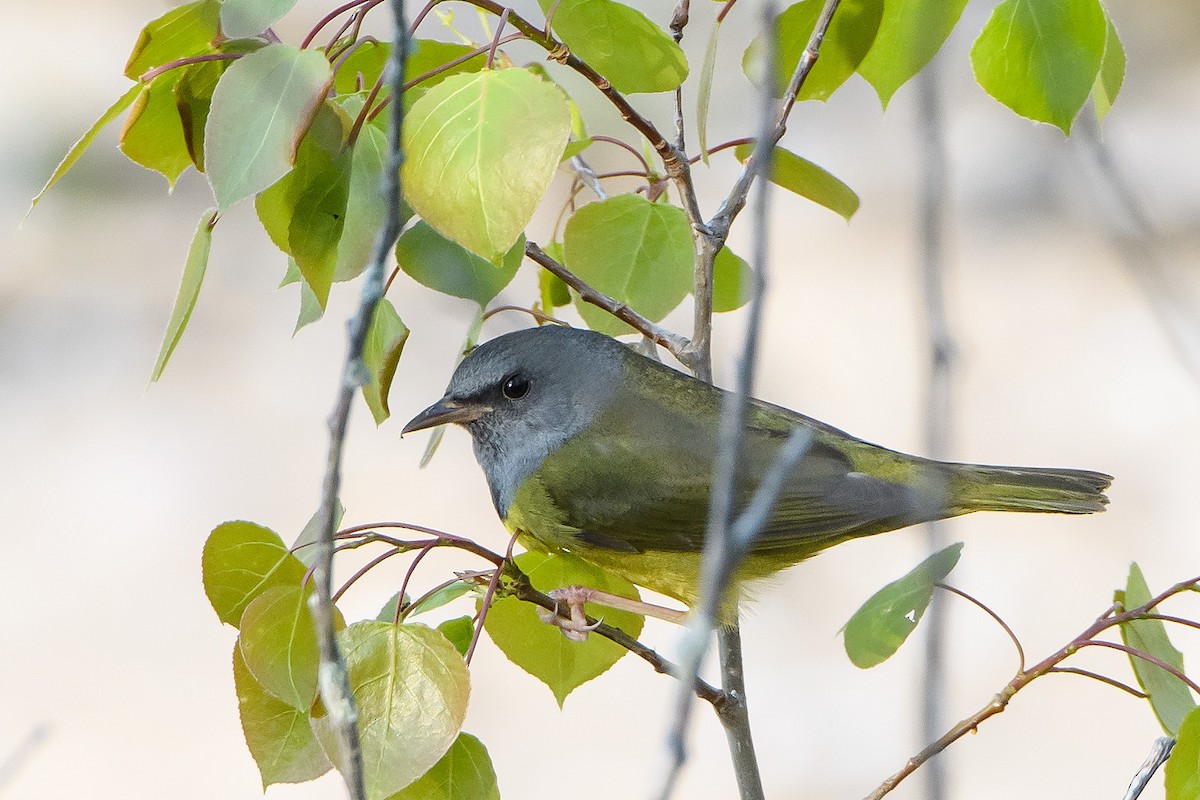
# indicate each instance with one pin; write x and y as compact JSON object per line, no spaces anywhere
{"x":1159,"y":754}
{"x":333,"y":681}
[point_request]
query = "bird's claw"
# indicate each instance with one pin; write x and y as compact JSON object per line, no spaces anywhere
{"x":574,"y":626}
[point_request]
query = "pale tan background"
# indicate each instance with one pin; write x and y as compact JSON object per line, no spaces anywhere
{"x":109,"y":489}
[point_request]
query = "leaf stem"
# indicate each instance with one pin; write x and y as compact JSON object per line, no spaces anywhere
{"x":996,"y":617}
{"x":332,"y":15}
{"x":151,"y":74}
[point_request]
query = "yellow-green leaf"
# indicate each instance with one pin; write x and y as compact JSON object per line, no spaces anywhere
{"x":482,"y":149}
{"x":1112,"y":73}
{"x":260,"y":111}
{"x":278,"y":640}
{"x":733,"y":281}
{"x":1041,"y":57}
{"x":278,"y":736}
{"x":464,"y":773}
{"x":411,"y":687}
{"x":1183,"y":767}
{"x":80,"y":147}
{"x":153,"y":135}
{"x":620,"y":43}
{"x":189,"y":290}
{"x":385,"y":342}
{"x":798,"y":174}
{"x":241,"y":561}
{"x":188,"y":30}
{"x":910,"y":34}
{"x":541,"y":649}
{"x":849,"y":39}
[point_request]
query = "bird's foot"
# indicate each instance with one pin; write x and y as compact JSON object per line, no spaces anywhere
{"x":576,"y":626}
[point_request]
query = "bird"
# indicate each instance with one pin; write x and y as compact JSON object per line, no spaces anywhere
{"x":594,"y":449}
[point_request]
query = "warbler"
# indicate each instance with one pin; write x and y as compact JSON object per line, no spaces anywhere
{"x":594,"y":449}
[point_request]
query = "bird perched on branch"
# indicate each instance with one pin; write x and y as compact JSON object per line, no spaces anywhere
{"x":594,"y":449}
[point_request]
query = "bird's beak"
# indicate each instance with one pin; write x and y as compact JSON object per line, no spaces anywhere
{"x":445,"y":411}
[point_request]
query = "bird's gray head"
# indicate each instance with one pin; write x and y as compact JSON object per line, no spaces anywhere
{"x":524,"y":394}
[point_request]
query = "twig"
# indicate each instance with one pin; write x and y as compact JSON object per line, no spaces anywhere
{"x":333,"y":680}
{"x":1087,"y":673}
{"x":996,"y":617}
{"x":1159,"y":754}
{"x":15,"y":759}
{"x":674,"y":343}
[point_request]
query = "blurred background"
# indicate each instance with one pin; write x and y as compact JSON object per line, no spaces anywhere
{"x":1073,"y":344}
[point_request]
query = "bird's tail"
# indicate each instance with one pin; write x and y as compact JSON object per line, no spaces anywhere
{"x":1042,"y":489}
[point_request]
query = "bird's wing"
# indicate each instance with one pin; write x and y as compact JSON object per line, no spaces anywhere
{"x":646,"y":485}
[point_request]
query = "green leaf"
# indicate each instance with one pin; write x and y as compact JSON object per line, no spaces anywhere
{"x":185,"y":31}
{"x":883,"y":623}
{"x":385,"y":342}
{"x":704,"y":92}
{"x":302,"y":547}
{"x":153,"y":132}
{"x":799,"y":175}
{"x":552,"y":291}
{"x":438,"y":263}
{"x":193,"y":99}
{"x":541,"y":649}
{"x":620,"y":43}
{"x":318,"y":219}
{"x":241,"y":561}
{"x":365,"y":206}
{"x":1112,"y":73}
{"x":464,"y":773}
{"x":482,"y":149}
{"x":80,"y":147}
{"x":388,"y":612}
{"x":849,"y":39}
{"x":251,"y":17}
{"x":459,"y":632}
{"x":1170,"y":697}
{"x":635,"y":251}
{"x":1183,"y":767}
{"x":278,"y":640}
{"x":411,"y":687}
{"x":189,"y":290}
{"x":576,"y":147}
{"x":260,"y":110}
{"x":310,"y":306}
{"x":447,"y":594}
{"x":910,"y":35}
{"x":733,"y":281}
{"x":278,"y":736}
{"x":1041,"y":57}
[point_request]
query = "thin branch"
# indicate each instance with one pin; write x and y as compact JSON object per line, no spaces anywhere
{"x":1144,"y":656}
{"x":332,"y":15}
{"x":333,"y":681}
{"x":1087,"y":673}
{"x":151,"y":74}
{"x":537,"y":315}
{"x":996,"y":617}
{"x":370,"y":565}
{"x":674,"y":343}
{"x":15,"y":760}
{"x":625,"y":146}
{"x":1159,"y":754}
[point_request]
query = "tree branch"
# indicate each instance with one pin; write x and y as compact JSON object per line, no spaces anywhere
{"x":333,"y":680}
{"x":673,"y":342}
{"x":1159,"y":754}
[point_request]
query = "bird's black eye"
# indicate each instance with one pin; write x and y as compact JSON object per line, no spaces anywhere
{"x":515,"y":386}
